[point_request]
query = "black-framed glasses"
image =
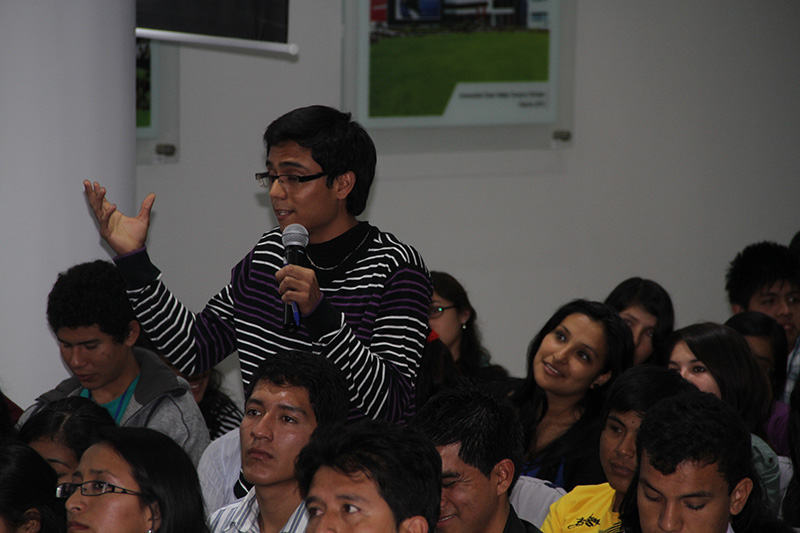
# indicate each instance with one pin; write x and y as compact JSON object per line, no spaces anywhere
{"x":435,"y":311}
{"x":287,"y":181}
{"x":91,"y":488}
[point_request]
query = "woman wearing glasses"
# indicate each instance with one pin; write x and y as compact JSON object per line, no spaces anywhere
{"x":134,"y":480}
{"x":454,"y":319}
{"x":27,"y":501}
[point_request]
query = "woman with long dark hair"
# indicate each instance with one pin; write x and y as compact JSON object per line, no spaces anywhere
{"x":27,"y":492}
{"x":454,"y":319}
{"x":135,"y":480}
{"x":62,"y":430}
{"x":646,"y":308}
{"x":717,"y":359}
{"x":571,"y":363}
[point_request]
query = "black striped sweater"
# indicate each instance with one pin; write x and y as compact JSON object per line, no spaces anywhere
{"x":371,"y":322}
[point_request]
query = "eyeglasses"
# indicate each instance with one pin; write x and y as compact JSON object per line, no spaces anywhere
{"x":287,"y":181}
{"x":436,"y":312}
{"x":91,"y":488}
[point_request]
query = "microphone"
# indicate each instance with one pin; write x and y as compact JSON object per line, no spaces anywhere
{"x":295,"y":240}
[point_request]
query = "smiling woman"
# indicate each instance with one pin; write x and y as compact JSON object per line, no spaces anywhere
{"x":572,"y":361}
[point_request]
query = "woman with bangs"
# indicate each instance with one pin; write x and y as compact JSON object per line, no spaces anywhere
{"x":571,"y":363}
{"x":646,"y":308}
{"x":716,"y":359}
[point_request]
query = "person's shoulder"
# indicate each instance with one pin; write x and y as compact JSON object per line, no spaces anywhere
{"x":583,"y":495}
{"x":270,"y":239}
{"x":532,"y":497}
{"x":239,"y":513}
{"x":388,"y":245}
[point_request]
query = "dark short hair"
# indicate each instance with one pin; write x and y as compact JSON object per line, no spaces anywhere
{"x":28,"y":482}
{"x":756,"y":324}
{"x":794,"y":245}
{"x":403,"y":464}
{"x":89,"y":294}
{"x":487,"y":428}
{"x":338,"y":144}
{"x":164,"y":473}
{"x":726,"y":354}
{"x":74,"y":422}
{"x":698,"y":428}
{"x":326,"y":386}
{"x":651,"y":297}
{"x":758,"y":266}
{"x":639,"y":388}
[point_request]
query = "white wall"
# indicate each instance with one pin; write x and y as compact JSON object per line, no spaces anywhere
{"x":687,"y":123}
{"x":66,"y":113}
{"x":687,"y":127}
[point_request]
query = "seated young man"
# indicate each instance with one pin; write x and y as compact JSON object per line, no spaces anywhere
{"x":596,"y":507}
{"x":89,"y":313}
{"x":479,"y":438}
{"x":695,"y":472}
{"x":371,"y":477}
{"x":765,"y":277}
{"x":292,"y":395}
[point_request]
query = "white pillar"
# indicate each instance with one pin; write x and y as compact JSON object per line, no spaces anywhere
{"x":67,"y":86}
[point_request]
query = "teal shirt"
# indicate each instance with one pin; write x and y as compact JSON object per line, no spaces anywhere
{"x":116,"y":407}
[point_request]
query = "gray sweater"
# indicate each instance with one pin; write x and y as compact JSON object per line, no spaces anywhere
{"x":161,"y":401}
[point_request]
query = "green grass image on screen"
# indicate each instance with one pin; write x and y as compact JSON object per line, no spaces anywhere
{"x":415,"y":75}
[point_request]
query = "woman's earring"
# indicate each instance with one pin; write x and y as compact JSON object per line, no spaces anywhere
{"x":464,"y":325}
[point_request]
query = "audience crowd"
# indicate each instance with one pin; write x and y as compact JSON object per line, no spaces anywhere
{"x":371,"y":403}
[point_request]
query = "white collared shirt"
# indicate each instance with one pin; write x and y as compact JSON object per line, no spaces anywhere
{"x":242,"y":517}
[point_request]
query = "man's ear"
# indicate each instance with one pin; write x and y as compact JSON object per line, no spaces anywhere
{"x":32,"y":523}
{"x":344,"y":184}
{"x":736,"y":309}
{"x":739,"y":495}
{"x":415,"y":524}
{"x":503,"y":473}
{"x":134,"y":329}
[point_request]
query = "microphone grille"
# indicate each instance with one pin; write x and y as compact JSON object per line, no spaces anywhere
{"x":295,"y":235}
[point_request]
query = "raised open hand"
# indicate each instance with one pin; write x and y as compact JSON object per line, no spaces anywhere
{"x":123,"y":233}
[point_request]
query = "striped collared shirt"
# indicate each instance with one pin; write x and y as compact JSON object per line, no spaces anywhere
{"x":242,"y":517}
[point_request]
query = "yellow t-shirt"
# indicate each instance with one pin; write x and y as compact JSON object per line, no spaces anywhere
{"x":584,"y":508}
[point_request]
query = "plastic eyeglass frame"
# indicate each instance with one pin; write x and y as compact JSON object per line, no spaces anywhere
{"x":65,"y":490}
{"x":266,"y":179}
{"x":436,"y":312}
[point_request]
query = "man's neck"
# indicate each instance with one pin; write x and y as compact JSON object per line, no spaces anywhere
{"x":276,"y":503}
{"x":498,"y":522}
{"x":113,"y":390}
{"x":337,"y":227}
